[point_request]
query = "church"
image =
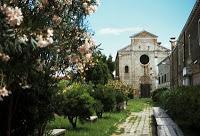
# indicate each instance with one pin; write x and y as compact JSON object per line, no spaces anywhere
{"x":136,"y":64}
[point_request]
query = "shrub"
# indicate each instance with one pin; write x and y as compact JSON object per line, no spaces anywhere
{"x":106,"y":96}
{"x":38,"y":42}
{"x":156,"y":94}
{"x":77,"y":103}
{"x":122,"y":91}
{"x":183,"y":104}
{"x":120,"y":98}
{"x":98,"y":107}
{"x":130,"y":93}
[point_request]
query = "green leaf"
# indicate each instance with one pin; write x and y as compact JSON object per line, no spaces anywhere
{"x":34,"y":43}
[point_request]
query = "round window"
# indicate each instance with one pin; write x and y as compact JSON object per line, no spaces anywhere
{"x":144,"y":59}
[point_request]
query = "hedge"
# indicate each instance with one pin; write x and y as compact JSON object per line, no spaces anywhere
{"x":182,"y":104}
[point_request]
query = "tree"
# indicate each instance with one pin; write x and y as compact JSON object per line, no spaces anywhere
{"x":102,"y":71}
{"x":121,"y":90}
{"x":111,"y":65}
{"x":99,"y":74}
{"x":105,"y":96}
{"x":77,"y":103}
{"x":39,"y":40}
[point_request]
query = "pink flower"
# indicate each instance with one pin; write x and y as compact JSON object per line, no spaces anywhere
{"x":4,"y":92}
{"x":41,"y":42}
{"x":75,"y":59}
{"x":49,"y":32}
{"x":13,"y":15}
{"x":68,"y":2}
{"x":44,"y":42}
{"x":88,"y":56}
{"x":4,"y":57}
{"x":56,"y":19}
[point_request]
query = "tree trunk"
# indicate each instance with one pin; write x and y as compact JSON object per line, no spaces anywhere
{"x":99,"y":114}
{"x":42,"y":129}
{"x":9,"y":119}
{"x":73,"y":120}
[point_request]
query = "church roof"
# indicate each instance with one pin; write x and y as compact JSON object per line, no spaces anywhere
{"x":164,"y":48}
{"x":125,"y":48}
{"x":143,"y":32}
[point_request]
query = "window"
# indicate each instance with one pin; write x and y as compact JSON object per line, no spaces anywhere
{"x":144,"y":59}
{"x":126,"y":69}
{"x":165,"y":78}
{"x":189,"y":45}
{"x":158,"y":80}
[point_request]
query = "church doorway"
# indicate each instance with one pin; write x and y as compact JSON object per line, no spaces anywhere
{"x":145,"y":80}
{"x":145,"y":90}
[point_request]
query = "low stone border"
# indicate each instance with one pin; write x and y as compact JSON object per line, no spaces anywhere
{"x":58,"y":132}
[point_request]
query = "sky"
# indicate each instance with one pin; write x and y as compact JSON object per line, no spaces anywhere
{"x":116,"y":20}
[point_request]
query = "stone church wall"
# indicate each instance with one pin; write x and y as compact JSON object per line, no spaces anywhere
{"x":143,"y":43}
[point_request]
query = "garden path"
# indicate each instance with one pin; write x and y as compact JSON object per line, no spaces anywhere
{"x":137,"y":124}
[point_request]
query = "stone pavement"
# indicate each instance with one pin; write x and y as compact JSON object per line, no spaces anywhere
{"x":137,"y":124}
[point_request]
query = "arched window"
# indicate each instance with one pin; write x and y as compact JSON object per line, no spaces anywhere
{"x":126,"y":69}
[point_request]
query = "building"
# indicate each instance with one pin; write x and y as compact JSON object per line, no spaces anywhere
{"x":185,"y":56}
{"x":136,"y":64}
{"x":164,"y":73}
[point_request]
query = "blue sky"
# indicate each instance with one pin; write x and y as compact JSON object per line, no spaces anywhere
{"x":116,"y":20}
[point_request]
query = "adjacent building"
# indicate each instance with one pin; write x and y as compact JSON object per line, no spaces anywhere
{"x":185,"y":56}
{"x":164,"y":73}
{"x":136,"y":64}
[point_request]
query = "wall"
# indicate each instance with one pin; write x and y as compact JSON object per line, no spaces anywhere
{"x":164,"y":73}
{"x":188,"y":45}
{"x":130,"y":56}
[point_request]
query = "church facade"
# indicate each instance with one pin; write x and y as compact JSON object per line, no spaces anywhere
{"x":136,"y":64}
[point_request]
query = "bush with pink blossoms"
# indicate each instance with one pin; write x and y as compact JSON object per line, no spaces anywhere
{"x":38,"y":40}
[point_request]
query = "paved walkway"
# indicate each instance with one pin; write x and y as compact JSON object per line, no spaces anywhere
{"x":137,"y":124}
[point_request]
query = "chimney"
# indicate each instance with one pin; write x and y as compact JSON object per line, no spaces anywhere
{"x":159,"y":43}
{"x":173,"y":43}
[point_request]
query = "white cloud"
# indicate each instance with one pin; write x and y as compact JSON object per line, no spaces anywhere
{"x":118,"y":31}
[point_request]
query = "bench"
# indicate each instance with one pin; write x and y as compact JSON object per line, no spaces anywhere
{"x":58,"y":132}
{"x":92,"y":118}
{"x":165,"y":125}
{"x":159,"y":113}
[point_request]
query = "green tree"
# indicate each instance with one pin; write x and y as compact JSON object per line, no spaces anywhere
{"x":99,"y":74}
{"x":105,"y":96}
{"x":102,"y":71}
{"x":111,"y":65}
{"x":77,"y":103}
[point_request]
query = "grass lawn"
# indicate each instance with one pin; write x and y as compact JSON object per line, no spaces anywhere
{"x":102,"y":127}
{"x":138,"y":105}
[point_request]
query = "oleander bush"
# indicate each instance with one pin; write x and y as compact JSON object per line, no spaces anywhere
{"x":41,"y":41}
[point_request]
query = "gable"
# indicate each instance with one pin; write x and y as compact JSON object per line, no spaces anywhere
{"x":144,"y":34}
